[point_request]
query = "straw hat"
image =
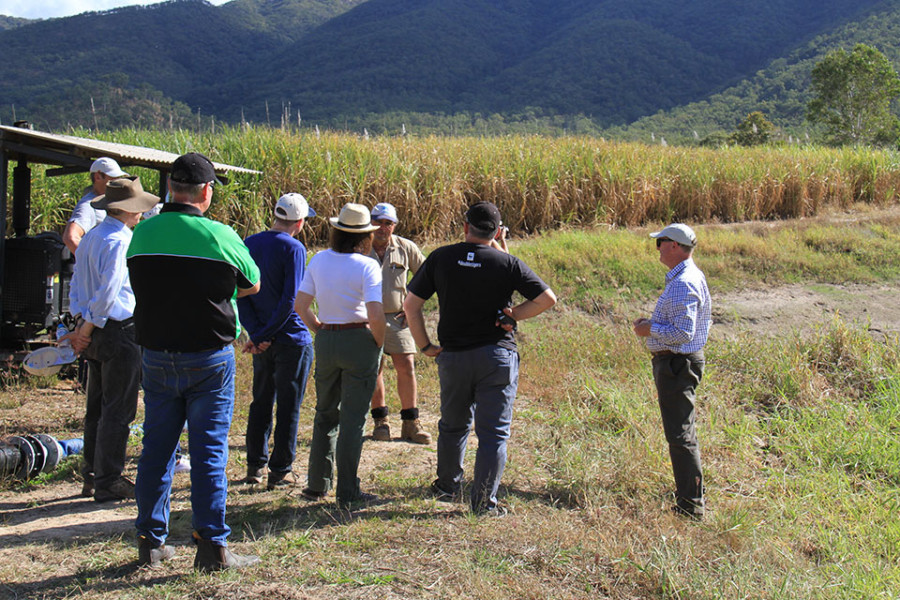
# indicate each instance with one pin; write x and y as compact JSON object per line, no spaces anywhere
{"x":354,"y":218}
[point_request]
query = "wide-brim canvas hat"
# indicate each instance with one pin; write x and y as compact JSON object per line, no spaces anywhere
{"x":126,"y":194}
{"x":678,"y":233}
{"x":354,"y":218}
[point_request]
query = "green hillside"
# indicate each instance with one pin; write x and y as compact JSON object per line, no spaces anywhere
{"x":615,"y":61}
{"x":781,"y":90}
{"x":463,"y":66}
{"x":12,"y":22}
{"x":167,"y":52}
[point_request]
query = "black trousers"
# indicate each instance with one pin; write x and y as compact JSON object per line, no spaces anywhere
{"x":677,"y":377}
{"x":114,"y":376}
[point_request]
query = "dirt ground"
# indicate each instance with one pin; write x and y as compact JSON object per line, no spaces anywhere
{"x":58,"y":513}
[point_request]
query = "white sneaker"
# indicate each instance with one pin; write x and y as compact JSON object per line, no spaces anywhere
{"x":182,"y":465}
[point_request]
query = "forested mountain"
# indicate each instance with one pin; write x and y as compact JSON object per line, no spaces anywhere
{"x":12,"y":22}
{"x":607,"y":63}
{"x":780,"y":91}
{"x":615,"y":60}
{"x":165,"y":52}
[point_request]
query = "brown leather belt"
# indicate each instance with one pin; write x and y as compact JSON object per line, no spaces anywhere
{"x":662,"y":353}
{"x":342,"y":326}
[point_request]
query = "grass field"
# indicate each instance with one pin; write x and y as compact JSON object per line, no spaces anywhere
{"x":799,"y":435}
{"x":540,"y":184}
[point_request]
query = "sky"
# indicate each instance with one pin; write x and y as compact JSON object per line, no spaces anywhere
{"x":46,"y":9}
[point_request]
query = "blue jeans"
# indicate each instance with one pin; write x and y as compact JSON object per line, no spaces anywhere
{"x":279,"y":380}
{"x":480,"y":384}
{"x":197,"y":387}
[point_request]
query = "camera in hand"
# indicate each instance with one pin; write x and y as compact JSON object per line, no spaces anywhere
{"x":505,"y":319}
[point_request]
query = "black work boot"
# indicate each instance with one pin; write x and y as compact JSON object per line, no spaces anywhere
{"x":212,"y":556}
{"x":153,"y":556}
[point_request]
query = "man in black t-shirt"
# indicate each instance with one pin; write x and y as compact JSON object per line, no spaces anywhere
{"x":478,"y":364}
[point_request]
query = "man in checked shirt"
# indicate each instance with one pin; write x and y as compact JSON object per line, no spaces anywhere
{"x":676,"y":334}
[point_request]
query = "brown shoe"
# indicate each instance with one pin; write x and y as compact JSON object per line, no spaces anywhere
{"x":215,"y":557}
{"x":382,"y":430}
{"x":120,"y":489}
{"x":255,"y":474}
{"x":153,"y":556}
{"x":412,"y":431}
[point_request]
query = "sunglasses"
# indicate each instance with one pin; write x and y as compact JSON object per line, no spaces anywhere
{"x":381,"y":222}
{"x":659,"y":241}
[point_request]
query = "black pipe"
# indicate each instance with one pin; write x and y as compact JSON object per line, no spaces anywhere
{"x":21,"y":198}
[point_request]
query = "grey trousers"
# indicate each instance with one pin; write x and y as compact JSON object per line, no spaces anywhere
{"x":677,"y":377}
{"x":114,"y":376}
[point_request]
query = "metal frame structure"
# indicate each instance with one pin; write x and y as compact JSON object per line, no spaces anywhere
{"x":69,"y":155}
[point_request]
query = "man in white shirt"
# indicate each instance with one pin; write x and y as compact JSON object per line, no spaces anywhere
{"x":85,"y":217}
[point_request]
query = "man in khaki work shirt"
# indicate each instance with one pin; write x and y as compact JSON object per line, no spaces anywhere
{"x":398,"y":257}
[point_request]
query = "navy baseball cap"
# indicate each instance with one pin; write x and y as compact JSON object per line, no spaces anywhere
{"x":484,"y":216}
{"x":194,"y":168}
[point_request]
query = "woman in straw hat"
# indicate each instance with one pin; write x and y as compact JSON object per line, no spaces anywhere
{"x":349,"y":329}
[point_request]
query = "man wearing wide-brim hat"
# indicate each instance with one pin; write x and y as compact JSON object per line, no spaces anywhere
{"x":102,"y":299}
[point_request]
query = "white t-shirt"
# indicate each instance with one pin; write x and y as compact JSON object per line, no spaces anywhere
{"x":342,"y":284}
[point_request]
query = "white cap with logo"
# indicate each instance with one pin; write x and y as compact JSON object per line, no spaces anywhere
{"x":108,"y":167}
{"x":293,"y":207}
{"x":678,"y":233}
{"x":384,"y":210}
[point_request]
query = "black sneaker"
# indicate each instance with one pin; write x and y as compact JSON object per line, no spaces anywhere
{"x":441,"y":494}
{"x":361,"y":498}
{"x":692,"y":512}
{"x":312,"y":494}
{"x":279,"y":480}
{"x":496,"y":512}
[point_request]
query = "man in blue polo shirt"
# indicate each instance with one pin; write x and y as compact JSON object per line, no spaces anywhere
{"x":279,"y":341}
{"x":187,"y":271}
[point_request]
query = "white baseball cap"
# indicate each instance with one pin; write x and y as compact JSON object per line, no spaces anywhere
{"x":678,"y":233}
{"x":108,"y":167}
{"x":384,"y":210}
{"x":293,"y":207}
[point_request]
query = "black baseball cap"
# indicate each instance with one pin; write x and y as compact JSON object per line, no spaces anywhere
{"x":484,"y":216}
{"x":194,"y":168}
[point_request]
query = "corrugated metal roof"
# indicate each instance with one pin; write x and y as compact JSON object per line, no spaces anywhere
{"x":67,"y":150}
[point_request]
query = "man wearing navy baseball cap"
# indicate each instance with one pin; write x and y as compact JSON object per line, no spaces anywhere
{"x":187,"y":272}
{"x":477,"y":357}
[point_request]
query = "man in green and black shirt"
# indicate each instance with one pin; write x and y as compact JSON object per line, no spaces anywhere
{"x":186,"y":272}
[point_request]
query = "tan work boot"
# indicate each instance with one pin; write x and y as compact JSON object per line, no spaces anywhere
{"x":215,"y":557}
{"x":382,"y":430}
{"x":412,"y":431}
